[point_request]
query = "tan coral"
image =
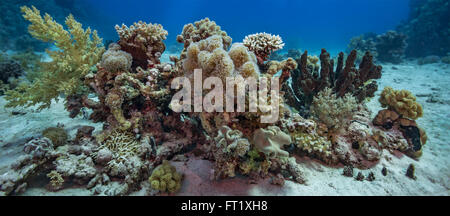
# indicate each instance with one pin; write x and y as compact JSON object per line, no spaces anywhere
{"x":201,"y":30}
{"x":116,"y":60}
{"x":263,"y":44}
{"x":143,"y":41}
{"x":402,"y":101}
{"x":271,"y":140}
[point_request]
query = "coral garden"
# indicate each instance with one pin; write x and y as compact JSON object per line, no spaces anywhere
{"x":127,"y":87}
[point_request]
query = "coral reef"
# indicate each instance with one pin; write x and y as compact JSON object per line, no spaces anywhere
{"x":391,"y":46}
{"x":165,"y":178}
{"x":363,"y":43}
{"x":129,"y":92}
{"x":427,"y":29}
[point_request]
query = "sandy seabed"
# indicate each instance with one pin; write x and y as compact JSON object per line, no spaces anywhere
{"x":430,"y":83}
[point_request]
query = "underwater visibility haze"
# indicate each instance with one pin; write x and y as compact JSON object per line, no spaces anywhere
{"x":233,"y":97}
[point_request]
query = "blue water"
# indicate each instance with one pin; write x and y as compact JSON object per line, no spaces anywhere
{"x":304,"y":24}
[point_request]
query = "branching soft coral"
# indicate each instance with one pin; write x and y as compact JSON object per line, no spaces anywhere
{"x":401,"y":101}
{"x":78,"y":50}
{"x":331,"y":110}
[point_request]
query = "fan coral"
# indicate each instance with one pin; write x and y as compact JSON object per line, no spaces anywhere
{"x":57,"y":135}
{"x":263,"y":44}
{"x":402,"y":101}
{"x":165,"y":178}
{"x":331,"y":110}
{"x":143,"y":41}
{"x":78,"y":51}
{"x":271,"y":140}
{"x":201,"y":30}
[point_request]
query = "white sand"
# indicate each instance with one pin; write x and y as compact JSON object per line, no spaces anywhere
{"x":432,"y":170}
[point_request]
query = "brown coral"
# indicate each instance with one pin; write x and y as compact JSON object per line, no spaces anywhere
{"x":385,"y":118}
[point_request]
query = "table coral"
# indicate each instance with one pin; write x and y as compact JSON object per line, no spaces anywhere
{"x":165,"y":178}
{"x":402,"y":101}
{"x":263,"y":44}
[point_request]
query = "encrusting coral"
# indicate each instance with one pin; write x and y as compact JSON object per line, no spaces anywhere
{"x":165,"y":178}
{"x":78,"y":51}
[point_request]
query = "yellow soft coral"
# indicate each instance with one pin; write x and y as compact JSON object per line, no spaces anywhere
{"x":401,"y":101}
{"x":78,"y":50}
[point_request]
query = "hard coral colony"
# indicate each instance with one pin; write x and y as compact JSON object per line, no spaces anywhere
{"x":322,"y":112}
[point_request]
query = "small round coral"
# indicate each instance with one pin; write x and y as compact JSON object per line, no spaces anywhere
{"x":401,"y":101}
{"x":165,"y":178}
{"x":57,"y":135}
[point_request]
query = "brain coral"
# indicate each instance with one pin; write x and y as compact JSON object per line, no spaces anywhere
{"x":401,"y":101}
{"x":165,"y":178}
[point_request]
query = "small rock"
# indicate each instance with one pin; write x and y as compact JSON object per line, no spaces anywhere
{"x":104,"y":156}
{"x":348,"y":171}
{"x":371,"y":176}
{"x":384,"y":171}
{"x":360,"y":176}
{"x":277,"y":180}
{"x":410,"y":172}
